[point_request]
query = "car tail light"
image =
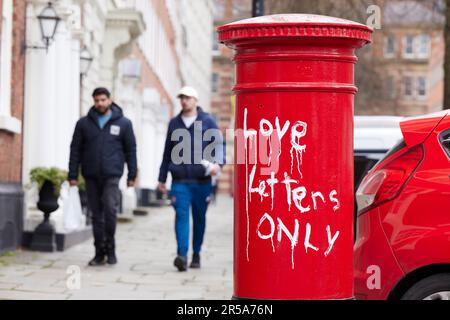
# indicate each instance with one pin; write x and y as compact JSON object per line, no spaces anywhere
{"x":384,"y":183}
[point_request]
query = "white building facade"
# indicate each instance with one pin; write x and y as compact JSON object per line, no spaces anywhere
{"x":143,"y":50}
{"x":195,"y":30}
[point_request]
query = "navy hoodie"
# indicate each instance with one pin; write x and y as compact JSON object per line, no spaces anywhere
{"x":103,"y":153}
{"x":191,"y":172}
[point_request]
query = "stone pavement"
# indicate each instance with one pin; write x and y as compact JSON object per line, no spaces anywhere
{"x":145,"y":248}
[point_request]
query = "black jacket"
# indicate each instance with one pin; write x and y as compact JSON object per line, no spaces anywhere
{"x":192,"y":171}
{"x":102,"y":153}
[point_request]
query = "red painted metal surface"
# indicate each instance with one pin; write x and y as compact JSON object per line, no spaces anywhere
{"x":293,"y":204}
{"x":416,"y":130}
{"x":410,"y":232}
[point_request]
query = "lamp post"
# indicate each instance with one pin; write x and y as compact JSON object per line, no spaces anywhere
{"x":48,"y":23}
{"x":85,"y":64}
{"x":257,"y":8}
{"x":85,"y":61}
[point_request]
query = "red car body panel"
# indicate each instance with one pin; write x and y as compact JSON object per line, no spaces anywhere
{"x":411,"y":231}
{"x":416,"y":130}
{"x":372,"y":249}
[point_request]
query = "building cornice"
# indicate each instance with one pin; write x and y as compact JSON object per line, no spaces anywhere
{"x":129,"y":19}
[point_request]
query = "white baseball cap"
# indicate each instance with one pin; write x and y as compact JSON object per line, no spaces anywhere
{"x":188,"y":92}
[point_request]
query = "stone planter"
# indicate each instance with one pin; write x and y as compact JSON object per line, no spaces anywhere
{"x":44,"y":238}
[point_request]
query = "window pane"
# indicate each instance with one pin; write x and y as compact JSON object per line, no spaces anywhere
{"x":424,"y":42}
{"x":215,"y":82}
{"x":389,"y":42}
{"x":407,"y":81}
{"x":409,"y":44}
{"x":215,"y":41}
{"x":422,"y":86}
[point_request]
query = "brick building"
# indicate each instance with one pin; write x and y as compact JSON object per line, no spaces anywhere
{"x":144,"y":51}
{"x":12,"y":31}
{"x":223,"y":79}
{"x":408,"y":53}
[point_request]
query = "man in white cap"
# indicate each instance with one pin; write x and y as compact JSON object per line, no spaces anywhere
{"x":192,"y":176}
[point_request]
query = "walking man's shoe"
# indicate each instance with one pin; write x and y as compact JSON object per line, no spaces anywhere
{"x":195,"y":263}
{"x":99,"y":259}
{"x":181,"y":263}
{"x":112,"y":259}
{"x":111,"y":255}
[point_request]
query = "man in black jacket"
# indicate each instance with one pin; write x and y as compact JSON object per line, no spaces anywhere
{"x":102,"y":142}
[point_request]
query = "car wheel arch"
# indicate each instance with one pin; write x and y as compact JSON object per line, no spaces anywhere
{"x":415,"y":276}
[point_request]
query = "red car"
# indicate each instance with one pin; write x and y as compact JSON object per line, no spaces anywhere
{"x":402,"y":248}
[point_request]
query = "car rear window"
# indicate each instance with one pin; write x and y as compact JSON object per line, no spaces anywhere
{"x":445,"y":141}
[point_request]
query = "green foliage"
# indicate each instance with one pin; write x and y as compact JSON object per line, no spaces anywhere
{"x":8,"y":254}
{"x":55,"y":175}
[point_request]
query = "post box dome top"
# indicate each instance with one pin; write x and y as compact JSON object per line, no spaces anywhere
{"x":294,"y":25}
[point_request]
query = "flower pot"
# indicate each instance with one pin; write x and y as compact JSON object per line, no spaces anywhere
{"x":44,"y":234}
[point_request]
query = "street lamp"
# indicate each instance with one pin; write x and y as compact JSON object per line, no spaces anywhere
{"x":85,"y":64}
{"x":257,"y":8}
{"x":85,"y":61}
{"x":48,"y":22}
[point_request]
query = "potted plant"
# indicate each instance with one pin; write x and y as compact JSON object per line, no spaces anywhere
{"x":54,"y":176}
{"x":48,"y":181}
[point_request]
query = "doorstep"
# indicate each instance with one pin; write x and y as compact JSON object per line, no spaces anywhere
{"x":64,"y":241}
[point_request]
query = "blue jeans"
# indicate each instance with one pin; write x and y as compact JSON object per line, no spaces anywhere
{"x":183,"y":196}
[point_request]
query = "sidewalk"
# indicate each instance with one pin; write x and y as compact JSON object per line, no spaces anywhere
{"x":145,"y":248}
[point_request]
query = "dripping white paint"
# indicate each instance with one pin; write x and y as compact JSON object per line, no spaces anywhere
{"x":273,"y":133}
{"x":278,"y":227}
{"x":294,"y":191}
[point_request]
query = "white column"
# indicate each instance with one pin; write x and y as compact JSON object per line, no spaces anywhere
{"x":150,"y":153}
{"x":67,"y":111}
{"x":51,"y":104}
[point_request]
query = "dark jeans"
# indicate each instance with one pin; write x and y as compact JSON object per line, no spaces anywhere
{"x":103,"y":201}
{"x":183,"y":197}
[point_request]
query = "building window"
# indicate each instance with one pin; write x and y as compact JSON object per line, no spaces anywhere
{"x":131,"y":68}
{"x":408,"y":51}
{"x":424,"y":43}
{"x":415,"y":87}
{"x":215,"y":82}
{"x":422,"y":87}
{"x":408,"y":86}
{"x":5,"y":57}
{"x":416,"y":47}
{"x":7,"y":122}
{"x":389,"y":46}
{"x":215,"y":44}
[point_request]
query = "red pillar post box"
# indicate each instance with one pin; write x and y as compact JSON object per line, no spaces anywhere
{"x":293,"y":207}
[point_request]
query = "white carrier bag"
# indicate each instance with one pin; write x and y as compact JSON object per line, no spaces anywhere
{"x":73,"y":214}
